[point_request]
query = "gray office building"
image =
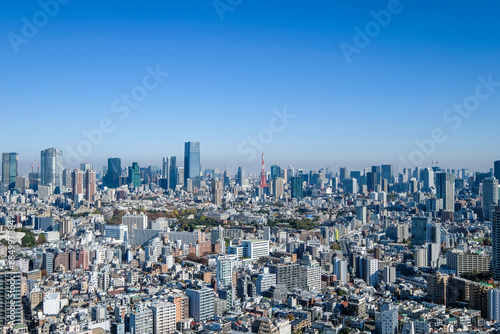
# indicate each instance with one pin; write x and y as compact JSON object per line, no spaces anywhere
{"x":169,"y":172}
{"x":192,"y":166}
{"x":445,"y":189}
{"x":52,"y":169}
{"x":9,"y":169}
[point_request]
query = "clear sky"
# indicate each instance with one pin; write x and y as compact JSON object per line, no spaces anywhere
{"x":233,"y":64}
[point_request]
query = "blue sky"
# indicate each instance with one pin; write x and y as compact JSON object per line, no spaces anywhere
{"x":226,"y":77}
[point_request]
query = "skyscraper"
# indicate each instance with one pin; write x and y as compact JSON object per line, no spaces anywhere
{"x":495,"y":252}
{"x":343,"y":173}
{"x":496,"y":170}
{"x":52,"y":169}
{"x":445,"y":189}
{"x":192,"y":166}
{"x":371,"y":181}
{"x":90,"y":185}
{"x":275,"y":171}
{"x":350,"y":186}
{"x":427,"y":177}
{"x":217,"y":192}
{"x":241,"y":178}
{"x":77,"y":185}
{"x":419,"y":227}
{"x":9,"y":169}
{"x":169,"y":171}
{"x":387,"y":173}
{"x":134,"y":175}
{"x":296,"y":187}
{"x":494,"y":304}
{"x":112,"y":178}
{"x":490,"y":196}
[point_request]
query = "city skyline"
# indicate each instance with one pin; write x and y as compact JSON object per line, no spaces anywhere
{"x":219,"y":79}
{"x":24,"y":168}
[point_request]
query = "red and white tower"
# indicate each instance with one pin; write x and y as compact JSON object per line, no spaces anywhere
{"x":263,"y":181}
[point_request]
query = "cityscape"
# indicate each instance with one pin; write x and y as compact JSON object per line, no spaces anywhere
{"x":249,"y":167}
{"x":170,"y":248}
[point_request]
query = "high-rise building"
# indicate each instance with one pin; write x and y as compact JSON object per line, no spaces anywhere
{"x":48,"y":262}
{"x":11,"y":311}
{"x":68,"y":178}
{"x":52,"y":169}
{"x":427,"y":178}
{"x":490,"y":196}
{"x":224,"y":273}
{"x":388,"y":173}
{"x":434,"y":233}
{"x":494,"y":304}
{"x":275,"y":171}
{"x":496,"y":170}
{"x":361,"y":214}
{"x":278,"y":185}
{"x":201,"y":304}
{"x":217,"y":192}
{"x":296,"y":187}
{"x":389,"y":274}
{"x":371,"y":181}
{"x":350,"y":186}
{"x":495,"y":252}
{"x":169,"y":171}
{"x":9,"y":169}
{"x":241,"y":178}
{"x":192,"y":166}
{"x":343,"y":173}
{"x":419,"y":227}
{"x":163,"y":317}
{"x":85,"y":166}
{"x":180,"y":176}
{"x":90,"y":185}
{"x":445,"y":189}
{"x":340,"y":269}
{"x":370,"y":271}
{"x":77,"y":185}
{"x":134,"y":175}
{"x":113,"y":174}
